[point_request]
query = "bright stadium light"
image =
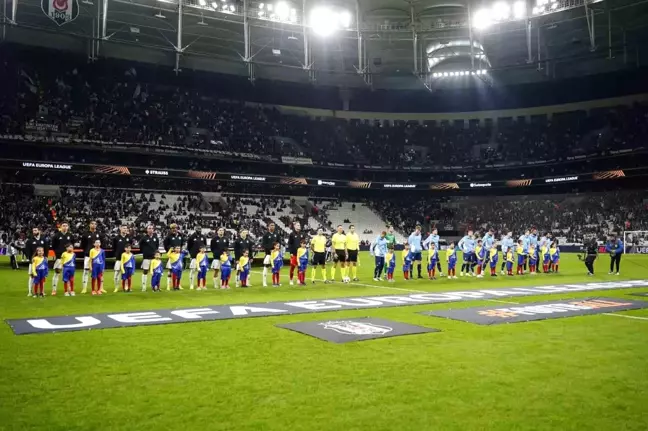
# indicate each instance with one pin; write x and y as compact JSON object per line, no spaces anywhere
{"x":519,"y":9}
{"x":282,"y":10}
{"x":202,"y":2}
{"x":445,"y":73}
{"x":482,"y":19}
{"x":501,"y":11}
{"x":554,"y":6}
{"x":326,"y":21}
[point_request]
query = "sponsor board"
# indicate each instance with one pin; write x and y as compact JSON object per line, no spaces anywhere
{"x":238,"y":311}
{"x":355,"y":329}
{"x":538,"y":310}
{"x":480,"y":185}
{"x":561,"y":179}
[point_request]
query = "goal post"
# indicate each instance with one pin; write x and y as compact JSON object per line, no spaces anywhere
{"x":635,"y":241}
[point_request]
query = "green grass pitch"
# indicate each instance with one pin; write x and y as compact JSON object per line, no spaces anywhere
{"x":579,"y":373}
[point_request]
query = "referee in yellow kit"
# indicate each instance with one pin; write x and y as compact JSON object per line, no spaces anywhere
{"x":353,"y":247}
{"x":339,"y":242}
{"x":318,"y":246}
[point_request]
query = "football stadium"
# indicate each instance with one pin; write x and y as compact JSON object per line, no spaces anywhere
{"x":324,"y":215}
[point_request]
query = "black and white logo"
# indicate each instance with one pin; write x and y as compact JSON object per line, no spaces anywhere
{"x":355,"y":329}
{"x":325,"y":183}
{"x":479,"y":185}
{"x":351,"y":327}
{"x":60,"y":11}
{"x":156,"y":172}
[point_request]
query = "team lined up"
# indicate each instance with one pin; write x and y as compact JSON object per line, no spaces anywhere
{"x":478,"y":254}
{"x":223,"y":264}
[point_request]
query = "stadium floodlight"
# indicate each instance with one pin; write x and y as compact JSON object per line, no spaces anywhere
{"x":282,"y":10}
{"x":325,"y":21}
{"x":484,"y":71}
{"x":482,"y":19}
{"x":501,"y":11}
{"x":202,"y":3}
{"x":519,"y":9}
{"x":214,"y":5}
{"x":554,"y":6}
{"x":445,"y":73}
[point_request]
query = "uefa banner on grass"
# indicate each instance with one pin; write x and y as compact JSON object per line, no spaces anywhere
{"x":278,"y":308}
{"x":538,"y":310}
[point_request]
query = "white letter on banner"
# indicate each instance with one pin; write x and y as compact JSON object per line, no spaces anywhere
{"x":312,"y":305}
{"x":84,"y":322}
{"x":475,"y":294}
{"x":354,"y":302}
{"x":241,"y":310}
{"x":501,"y":292}
{"x":436,"y":296}
{"x":395,"y":299}
{"x":193,"y":313}
{"x":144,"y":317}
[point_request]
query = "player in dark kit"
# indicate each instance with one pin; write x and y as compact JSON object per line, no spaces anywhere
{"x":149,"y":245}
{"x":119,"y":245}
{"x":219,"y":245}
{"x":267,"y":243}
{"x":172,"y":240}
{"x":60,"y":239}
{"x":33,"y":243}
{"x":241,"y":244}
{"x":87,"y":243}
{"x":195,"y":242}
{"x":295,"y":239}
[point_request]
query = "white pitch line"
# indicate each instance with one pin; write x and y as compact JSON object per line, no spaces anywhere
{"x":368,"y":285}
{"x":626,"y":316}
{"x":503,"y":302}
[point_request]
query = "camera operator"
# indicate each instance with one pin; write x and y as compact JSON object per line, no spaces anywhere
{"x":591,"y":253}
{"x":614,"y":247}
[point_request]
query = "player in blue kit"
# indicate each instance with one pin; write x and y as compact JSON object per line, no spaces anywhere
{"x":467,"y":246}
{"x":416,"y":250}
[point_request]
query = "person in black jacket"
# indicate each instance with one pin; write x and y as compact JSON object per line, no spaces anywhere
{"x":218,"y":245}
{"x":267,"y":243}
{"x":119,"y":244}
{"x":87,"y":242}
{"x":149,"y":245}
{"x":59,"y":242}
{"x":172,"y":240}
{"x":241,"y":244}
{"x":195,"y":242}
{"x":32,"y":243}
{"x":294,"y":240}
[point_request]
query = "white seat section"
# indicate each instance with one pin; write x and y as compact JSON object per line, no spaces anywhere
{"x":363,"y":217}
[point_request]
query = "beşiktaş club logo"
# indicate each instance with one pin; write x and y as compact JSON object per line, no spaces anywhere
{"x":61,"y":11}
{"x":350,"y":327}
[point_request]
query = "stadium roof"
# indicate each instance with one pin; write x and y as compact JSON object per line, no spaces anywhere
{"x":393,"y":44}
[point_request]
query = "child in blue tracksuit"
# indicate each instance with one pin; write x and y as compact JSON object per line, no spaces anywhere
{"x":302,"y":260}
{"x":493,"y":259}
{"x":176,"y":257}
{"x":226,"y":269}
{"x":98,"y":258}
{"x":434,"y":259}
{"x":407,"y":262}
{"x":451,"y":257}
{"x":203,"y":265}
{"x":244,"y":267}
{"x":390,"y":261}
{"x":39,"y":272}
{"x":68,"y":258}
{"x":277,"y":263}
{"x":157,"y":269}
